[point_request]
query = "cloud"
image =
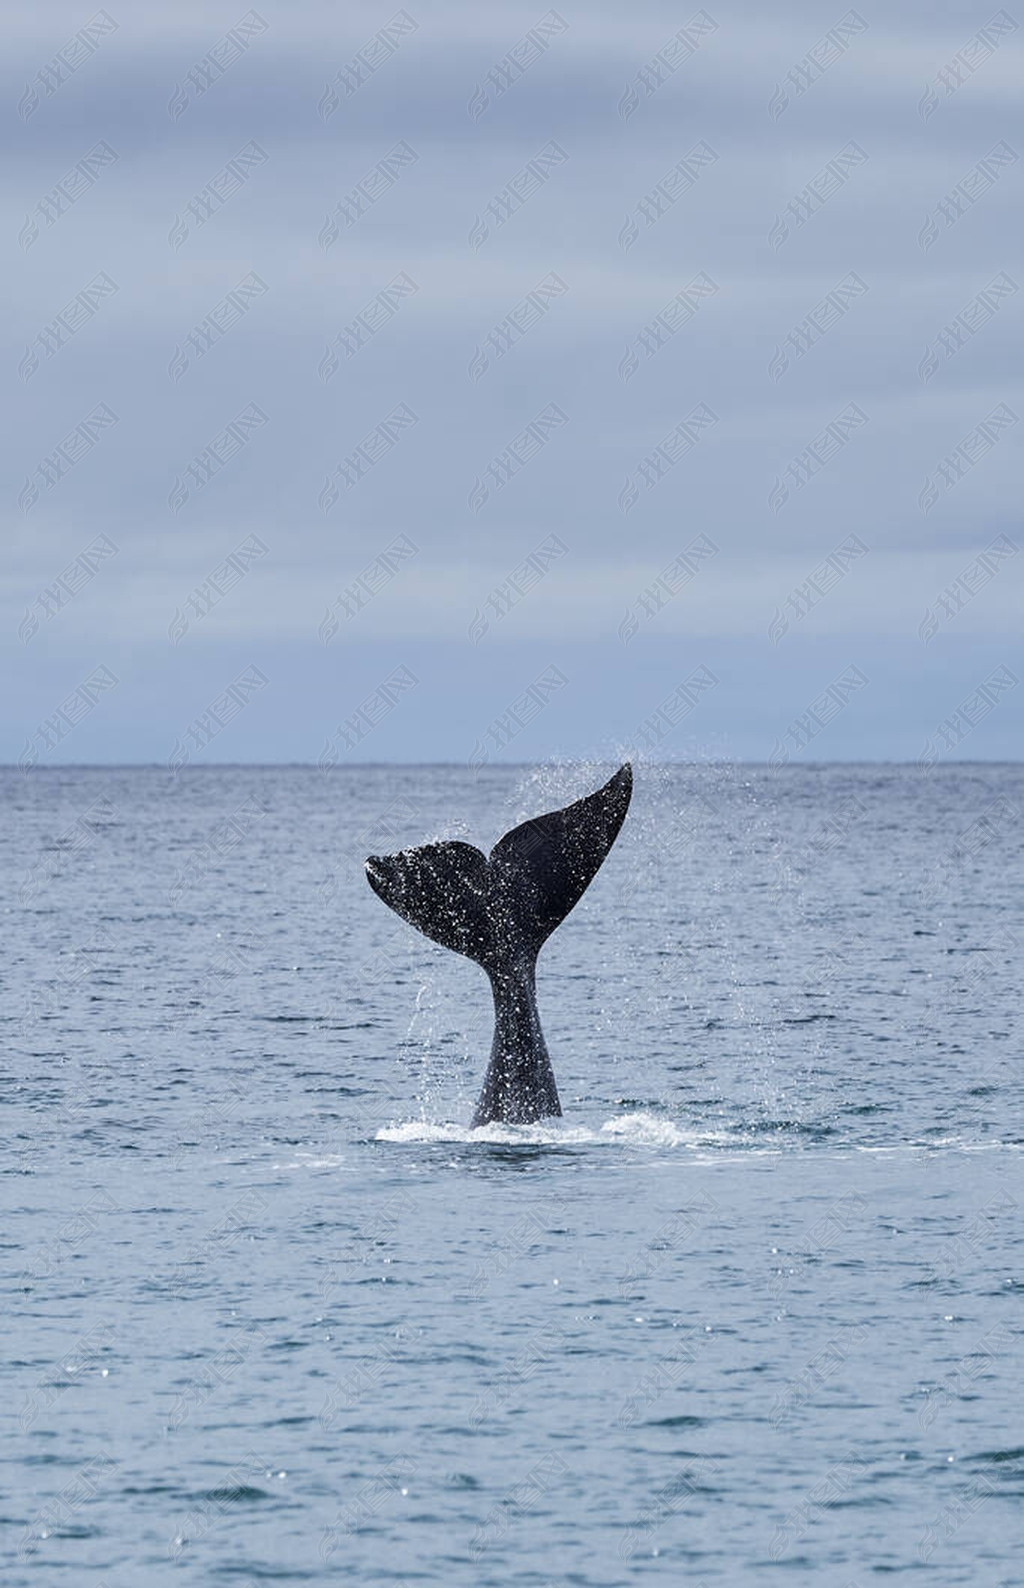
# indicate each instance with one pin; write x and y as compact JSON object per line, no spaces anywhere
{"x":552,"y":233}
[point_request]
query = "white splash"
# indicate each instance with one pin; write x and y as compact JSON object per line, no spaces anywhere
{"x":632,"y":1130}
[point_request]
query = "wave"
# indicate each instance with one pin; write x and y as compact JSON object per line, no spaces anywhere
{"x":631,"y":1130}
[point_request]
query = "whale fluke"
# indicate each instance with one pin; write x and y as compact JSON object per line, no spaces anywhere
{"x":499,"y":911}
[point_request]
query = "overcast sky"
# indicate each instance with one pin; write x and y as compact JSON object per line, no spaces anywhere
{"x":480,"y":382}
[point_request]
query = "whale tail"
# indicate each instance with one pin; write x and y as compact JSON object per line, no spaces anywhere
{"x":499,"y":910}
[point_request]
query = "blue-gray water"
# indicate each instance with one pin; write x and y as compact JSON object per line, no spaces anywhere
{"x":751,"y":1312}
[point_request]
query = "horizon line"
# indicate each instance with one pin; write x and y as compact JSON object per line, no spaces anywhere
{"x":357,"y":766}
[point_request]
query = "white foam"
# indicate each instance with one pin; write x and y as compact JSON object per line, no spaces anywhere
{"x":648,"y":1130}
{"x":547,"y":1134}
{"x":634,"y":1130}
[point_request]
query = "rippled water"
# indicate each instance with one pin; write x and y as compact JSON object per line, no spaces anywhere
{"x":751,"y":1312}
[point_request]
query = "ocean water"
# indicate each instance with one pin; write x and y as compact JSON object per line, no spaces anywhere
{"x":751,"y":1312}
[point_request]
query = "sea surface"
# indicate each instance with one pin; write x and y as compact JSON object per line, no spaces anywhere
{"x":752,"y":1312}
